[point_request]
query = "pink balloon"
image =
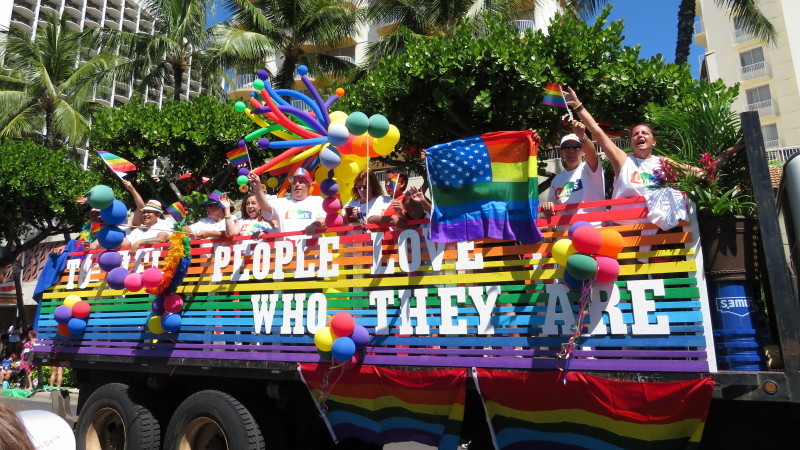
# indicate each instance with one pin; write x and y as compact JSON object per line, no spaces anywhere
{"x":133,"y":282}
{"x":173,"y":303}
{"x":342,"y":324}
{"x":607,"y":269}
{"x":334,"y":220}
{"x":331,"y":205}
{"x":151,"y":277}
{"x":587,"y":239}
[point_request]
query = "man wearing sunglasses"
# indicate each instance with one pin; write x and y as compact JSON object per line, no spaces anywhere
{"x":582,"y":179}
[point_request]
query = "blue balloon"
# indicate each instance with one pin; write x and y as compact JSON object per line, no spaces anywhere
{"x":171,"y":322}
{"x":330,"y":158}
{"x":76,"y":326}
{"x":109,"y":260}
{"x":572,"y":282}
{"x":110,"y":236}
{"x":343,"y":348}
{"x":338,"y":134}
{"x":116,"y":278}
{"x":329,"y":187}
{"x":115,"y":214}
{"x":302,"y":70}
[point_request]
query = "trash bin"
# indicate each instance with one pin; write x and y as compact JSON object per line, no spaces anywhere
{"x":737,"y":335}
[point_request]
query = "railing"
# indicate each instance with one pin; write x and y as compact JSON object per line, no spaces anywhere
{"x":780,"y":155}
{"x":772,"y":143}
{"x":349,"y":59}
{"x":301,"y":105}
{"x":739,"y":36}
{"x":753,"y":71}
{"x":523,"y":25}
{"x":765,"y":108}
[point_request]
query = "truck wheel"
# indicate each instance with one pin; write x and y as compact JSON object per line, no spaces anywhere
{"x":212,"y":420}
{"x":115,"y":417}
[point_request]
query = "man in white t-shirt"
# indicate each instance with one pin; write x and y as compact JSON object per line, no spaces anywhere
{"x":152,"y":230}
{"x":299,"y":212}
{"x":218,"y":214}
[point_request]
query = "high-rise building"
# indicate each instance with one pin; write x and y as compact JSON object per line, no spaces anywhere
{"x":123,"y":15}
{"x":767,"y":73}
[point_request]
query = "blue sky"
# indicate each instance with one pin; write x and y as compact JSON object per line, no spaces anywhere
{"x":653,"y":24}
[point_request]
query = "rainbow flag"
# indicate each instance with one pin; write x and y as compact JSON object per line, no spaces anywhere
{"x":393,"y":177}
{"x":238,"y":156}
{"x":553,"y":96}
{"x":539,"y":410}
{"x":119,"y":165}
{"x":381,"y":405}
{"x":485,"y":186}
{"x":177,"y":211}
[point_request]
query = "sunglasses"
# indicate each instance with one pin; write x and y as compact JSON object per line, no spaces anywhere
{"x":571,"y":147}
{"x":360,"y":187}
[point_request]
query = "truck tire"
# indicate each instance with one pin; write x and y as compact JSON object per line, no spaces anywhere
{"x":212,"y":420}
{"x":115,"y":416}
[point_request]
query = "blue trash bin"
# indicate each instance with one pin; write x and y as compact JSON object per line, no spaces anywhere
{"x":737,"y":336}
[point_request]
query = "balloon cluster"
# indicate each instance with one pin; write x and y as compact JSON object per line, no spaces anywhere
{"x":71,"y":316}
{"x":335,"y":144}
{"x":113,"y":212}
{"x":588,"y":253}
{"x":167,"y":306}
{"x":341,"y":338}
{"x":242,"y":180}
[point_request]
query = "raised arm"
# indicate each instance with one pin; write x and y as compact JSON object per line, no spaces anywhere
{"x":231,"y":227}
{"x":589,"y":150}
{"x":137,"y":199}
{"x":261,"y":197}
{"x":614,"y":154}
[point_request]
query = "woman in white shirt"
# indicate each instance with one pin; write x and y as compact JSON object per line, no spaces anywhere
{"x":368,"y":200}
{"x":253,"y":222}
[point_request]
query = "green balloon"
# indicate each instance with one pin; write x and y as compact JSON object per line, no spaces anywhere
{"x":581,"y":266}
{"x":239,"y":106}
{"x":241,"y":180}
{"x":258,"y":84}
{"x":378,"y":126}
{"x":100,"y":196}
{"x":357,"y":123}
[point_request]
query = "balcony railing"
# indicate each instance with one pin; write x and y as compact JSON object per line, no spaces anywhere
{"x":765,"y":108}
{"x":301,"y":105}
{"x":772,"y":143}
{"x":523,"y":25}
{"x":739,"y":36}
{"x":777,"y":156}
{"x":753,"y":71}
{"x":349,"y":59}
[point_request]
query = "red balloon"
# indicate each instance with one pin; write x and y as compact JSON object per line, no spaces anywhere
{"x":62,"y":329}
{"x":173,"y":303}
{"x":607,"y":269}
{"x":587,"y":239}
{"x":343,"y":324}
{"x":81,"y":309}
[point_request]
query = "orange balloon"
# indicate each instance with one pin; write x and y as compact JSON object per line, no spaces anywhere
{"x":359,"y":145}
{"x":340,"y":92}
{"x":314,"y":190}
{"x":612,"y":243}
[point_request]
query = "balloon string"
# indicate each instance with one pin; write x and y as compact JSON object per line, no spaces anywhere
{"x":583,"y":308}
{"x":326,"y":388}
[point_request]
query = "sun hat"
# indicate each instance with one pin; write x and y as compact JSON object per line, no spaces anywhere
{"x":153,"y":205}
{"x":214,"y":199}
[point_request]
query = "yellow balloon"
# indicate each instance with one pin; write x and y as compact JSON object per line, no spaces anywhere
{"x":324,"y":338}
{"x":338,"y":116}
{"x":72,"y":299}
{"x":562,"y":250}
{"x":382,"y":146}
{"x":346,"y":172}
{"x":272,"y":182}
{"x":320,"y":174}
{"x":154,"y":325}
{"x":393,"y":136}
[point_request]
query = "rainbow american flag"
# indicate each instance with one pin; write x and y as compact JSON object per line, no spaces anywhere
{"x":238,"y":156}
{"x":540,"y":410}
{"x":553,"y":96}
{"x":119,"y":165}
{"x":381,"y":405}
{"x":177,"y":211}
{"x":485,"y":186}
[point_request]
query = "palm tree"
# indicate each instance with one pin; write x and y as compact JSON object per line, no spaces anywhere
{"x":47,"y":87}
{"x":298,"y":31}
{"x":746,"y":13}
{"x":178,"y":44}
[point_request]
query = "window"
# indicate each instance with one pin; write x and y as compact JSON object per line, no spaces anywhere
{"x":770,"y":135}
{"x":751,"y":57}
{"x":758,"y":95}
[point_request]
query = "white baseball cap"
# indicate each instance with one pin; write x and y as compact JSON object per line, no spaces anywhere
{"x":570,"y":137}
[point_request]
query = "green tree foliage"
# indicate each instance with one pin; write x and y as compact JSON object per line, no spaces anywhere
{"x":38,"y":195}
{"x":192,"y":135}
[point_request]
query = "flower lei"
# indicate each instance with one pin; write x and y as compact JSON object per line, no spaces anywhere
{"x":176,"y":265}
{"x":89,"y":232}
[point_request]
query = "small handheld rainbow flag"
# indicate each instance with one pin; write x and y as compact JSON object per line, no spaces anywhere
{"x":553,"y":96}
{"x":119,"y":165}
{"x":238,"y":156}
{"x":177,"y":211}
{"x":393,"y":177}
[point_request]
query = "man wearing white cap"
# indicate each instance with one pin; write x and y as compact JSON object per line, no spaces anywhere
{"x":151,"y":231}
{"x":582,"y":181}
{"x":299,"y":212}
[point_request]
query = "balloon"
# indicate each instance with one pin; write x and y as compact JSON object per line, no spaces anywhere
{"x":334,"y":220}
{"x":392,"y":137}
{"x":587,"y":240}
{"x":323,"y":339}
{"x":243,"y":171}
{"x":62,"y":314}
{"x":360,"y":336}
{"x":272,"y":182}
{"x":115,"y":214}
{"x":76,"y":326}
{"x":330,"y":158}
{"x":324,"y":356}
{"x":62,"y":329}
{"x":100,"y":196}
{"x":607,"y":269}
{"x":572,"y":283}
{"x":242,"y":180}
{"x":338,"y":134}
{"x":133,"y":282}
{"x":331,"y":205}
{"x":378,"y":126}
{"x":81,"y":309}
{"x":262,"y":74}
{"x":328,"y":187}
{"x":340,"y":92}
{"x":72,"y":299}
{"x":258,"y":84}
{"x":381,"y":146}
{"x":109,"y":260}
{"x":347,"y":148}
{"x":343,"y":348}
{"x":359,"y":145}
{"x":562,"y":250}
{"x":581,"y":266}
{"x":173,"y":303}
{"x":576,"y":225}
{"x":116,"y":278}
{"x":612,"y":243}
{"x":347,"y":171}
{"x":239,"y":106}
{"x":302,"y":70}
{"x":171,"y":322}
{"x":154,"y":325}
{"x":151,"y":277}
{"x":263,"y":143}
{"x":342,"y":324}
{"x":110,"y":236}
{"x":357,"y":123}
{"x":158,"y":306}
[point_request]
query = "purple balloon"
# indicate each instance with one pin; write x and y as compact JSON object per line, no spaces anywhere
{"x":328,"y":187}
{"x":263,"y":143}
{"x":76,"y":326}
{"x":63,"y":314}
{"x":262,"y":74}
{"x":242,"y":143}
{"x":158,"y":306}
{"x":109,"y":260}
{"x":243,"y":171}
{"x":360,"y":337}
{"x":116,"y":278}
{"x":171,"y":322}
{"x":577,"y":225}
